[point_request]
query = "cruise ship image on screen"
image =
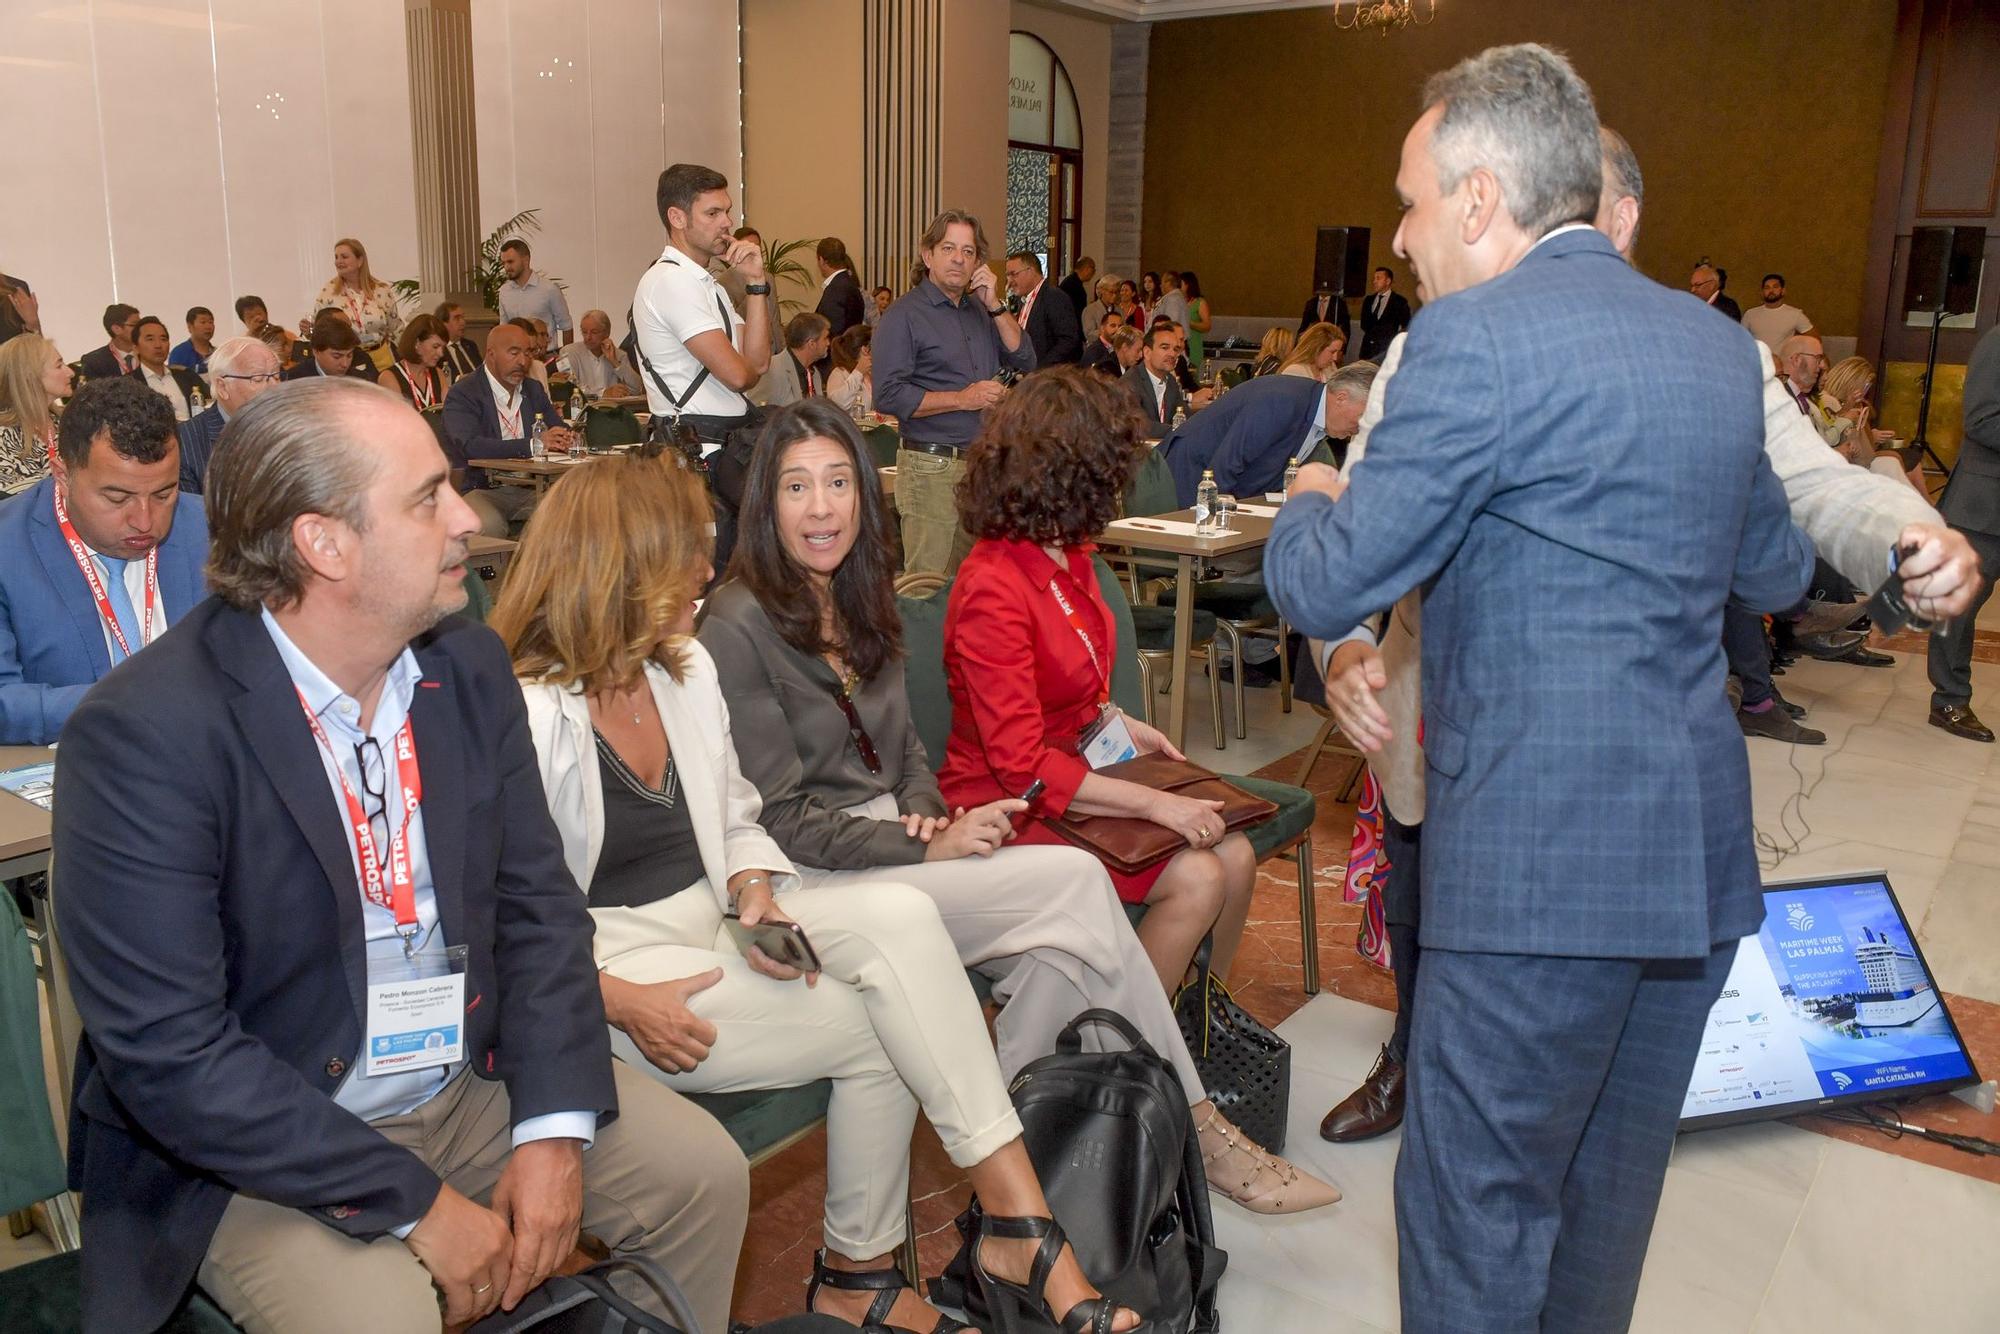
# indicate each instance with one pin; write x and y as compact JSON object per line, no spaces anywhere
{"x":1898,"y":992}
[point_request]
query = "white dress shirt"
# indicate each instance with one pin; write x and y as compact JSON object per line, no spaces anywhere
{"x":164,"y":384}
{"x":1159,"y":395}
{"x":511,"y":403}
{"x":339,"y":714}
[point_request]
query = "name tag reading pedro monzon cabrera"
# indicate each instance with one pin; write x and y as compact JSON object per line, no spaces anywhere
{"x":416,"y":1012}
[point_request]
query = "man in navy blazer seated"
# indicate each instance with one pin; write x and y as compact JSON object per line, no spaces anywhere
{"x":1251,"y":433}
{"x":97,"y":559}
{"x":242,"y":368}
{"x":1588,"y":861}
{"x":492,"y":415}
{"x":343,"y":1052}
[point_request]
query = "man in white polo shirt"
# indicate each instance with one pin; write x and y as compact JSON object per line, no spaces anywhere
{"x":696,"y":354}
{"x":529,"y":295}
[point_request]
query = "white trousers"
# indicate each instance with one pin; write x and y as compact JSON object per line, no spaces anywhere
{"x":1045,"y":924}
{"x":893,"y":1022}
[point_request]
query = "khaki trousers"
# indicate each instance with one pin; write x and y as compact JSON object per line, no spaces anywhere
{"x":500,"y":507}
{"x":663,"y":1180}
{"x":1045,"y":924}
{"x":933,"y":541}
{"x":892,"y":1022}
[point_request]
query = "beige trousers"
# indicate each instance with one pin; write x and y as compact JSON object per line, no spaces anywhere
{"x":1045,"y":924}
{"x":892,"y":1022}
{"x":663,"y":1180}
{"x":933,"y":540}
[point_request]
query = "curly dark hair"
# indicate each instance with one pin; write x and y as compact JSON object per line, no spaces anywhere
{"x":1052,"y":459}
{"x":863,"y":588}
{"x":137,"y":422}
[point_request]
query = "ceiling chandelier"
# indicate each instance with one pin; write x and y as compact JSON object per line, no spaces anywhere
{"x":1384,"y":15}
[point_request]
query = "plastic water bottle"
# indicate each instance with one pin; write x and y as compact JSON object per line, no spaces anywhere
{"x":1204,"y":501}
{"x":579,"y":409}
{"x":197,"y":404}
{"x":1180,"y":419}
{"x":538,"y":447}
{"x":1291,"y":475}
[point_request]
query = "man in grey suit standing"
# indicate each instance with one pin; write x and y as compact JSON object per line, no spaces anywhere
{"x":1588,"y":860}
{"x":1971,"y":504}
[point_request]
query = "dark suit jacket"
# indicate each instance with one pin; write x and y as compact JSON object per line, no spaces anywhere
{"x":1098,"y":357}
{"x":198,"y":439}
{"x":100,"y":364}
{"x":1727,"y":305}
{"x":1972,"y":499}
{"x":361,"y":368}
{"x":1336,"y":313}
{"x":51,"y":640}
{"x":1516,"y":493}
{"x":1141,"y":384}
{"x":841,"y":303}
{"x":471,"y":422}
{"x":212,"y":920}
{"x":1053,"y":328}
{"x":1246,"y":436}
{"x":1378,"y":333}
{"x":186,"y":379}
{"x":1079,"y":297}
{"x":462,"y":358}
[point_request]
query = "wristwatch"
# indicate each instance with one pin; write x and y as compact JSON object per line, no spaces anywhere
{"x":757,"y":289}
{"x":997,"y":311}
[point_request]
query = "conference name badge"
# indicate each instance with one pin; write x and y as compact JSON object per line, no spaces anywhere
{"x":1107,"y":741}
{"x":416,"y":1012}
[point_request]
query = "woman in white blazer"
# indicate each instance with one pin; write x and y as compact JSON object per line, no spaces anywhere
{"x":659,"y":829}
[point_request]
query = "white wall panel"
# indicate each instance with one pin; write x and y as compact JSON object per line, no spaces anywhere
{"x":184,"y":152}
{"x":54,"y":232}
{"x":580,"y":107}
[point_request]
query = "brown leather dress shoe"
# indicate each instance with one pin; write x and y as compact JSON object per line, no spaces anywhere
{"x":1960,"y":720}
{"x":1376,"y":1108}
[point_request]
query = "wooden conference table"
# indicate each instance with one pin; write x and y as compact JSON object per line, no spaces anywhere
{"x":1168,"y":541}
{"x":541,"y":474}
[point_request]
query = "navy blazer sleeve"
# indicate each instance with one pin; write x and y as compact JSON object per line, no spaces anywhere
{"x":1431,"y":466}
{"x":141,"y":911}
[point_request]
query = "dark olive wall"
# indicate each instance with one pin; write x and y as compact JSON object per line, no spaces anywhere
{"x":1758,"y":126}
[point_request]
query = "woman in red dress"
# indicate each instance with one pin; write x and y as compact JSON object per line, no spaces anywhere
{"x":1028,"y":652}
{"x":1029,"y":646}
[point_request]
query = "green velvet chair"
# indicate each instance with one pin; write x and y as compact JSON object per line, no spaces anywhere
{"x":45,"y":1296}
{"x":1151,"y":490}
{"x":883,"y":442}
{"x":922,"y":600}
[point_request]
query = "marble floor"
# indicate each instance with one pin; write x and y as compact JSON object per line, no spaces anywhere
{"x":1765,"y":1228}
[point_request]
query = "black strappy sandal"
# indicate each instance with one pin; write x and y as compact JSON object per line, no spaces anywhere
{"x":884,"y":1283}
{"x":1018,"y":1308}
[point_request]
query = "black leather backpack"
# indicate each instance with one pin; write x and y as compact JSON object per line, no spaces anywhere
{"x":1111,"y":1138}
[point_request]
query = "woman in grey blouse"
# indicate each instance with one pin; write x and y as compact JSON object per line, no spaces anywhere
{"x":807,"y":644}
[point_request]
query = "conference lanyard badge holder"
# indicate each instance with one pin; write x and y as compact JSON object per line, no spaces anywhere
{"x":1108,"y":740}
{"x":416,"y":1008}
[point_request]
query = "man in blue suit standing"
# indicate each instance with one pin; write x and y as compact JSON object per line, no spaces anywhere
{"x":1588,"y":854}
{"x":97,"y":559}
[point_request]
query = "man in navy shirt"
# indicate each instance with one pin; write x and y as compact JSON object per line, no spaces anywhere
{"x":939,"y":351}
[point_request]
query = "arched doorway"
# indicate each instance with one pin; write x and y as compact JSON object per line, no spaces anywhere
{"x":1044,"y":156}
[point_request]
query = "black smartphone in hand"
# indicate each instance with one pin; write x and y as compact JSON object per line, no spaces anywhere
{"x":782,"y":942}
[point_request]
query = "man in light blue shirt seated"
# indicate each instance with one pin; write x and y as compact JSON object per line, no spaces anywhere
{"x":346,"y":1060}
{"x":97,"y":559}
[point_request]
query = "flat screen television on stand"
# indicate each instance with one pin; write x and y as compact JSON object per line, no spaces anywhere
{"x":1830,"y":1004}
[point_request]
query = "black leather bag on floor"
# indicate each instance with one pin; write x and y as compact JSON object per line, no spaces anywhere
{"x":1111,"y":1137}
{"x":1246,"y":1068}
{"x":586,"y":1303}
